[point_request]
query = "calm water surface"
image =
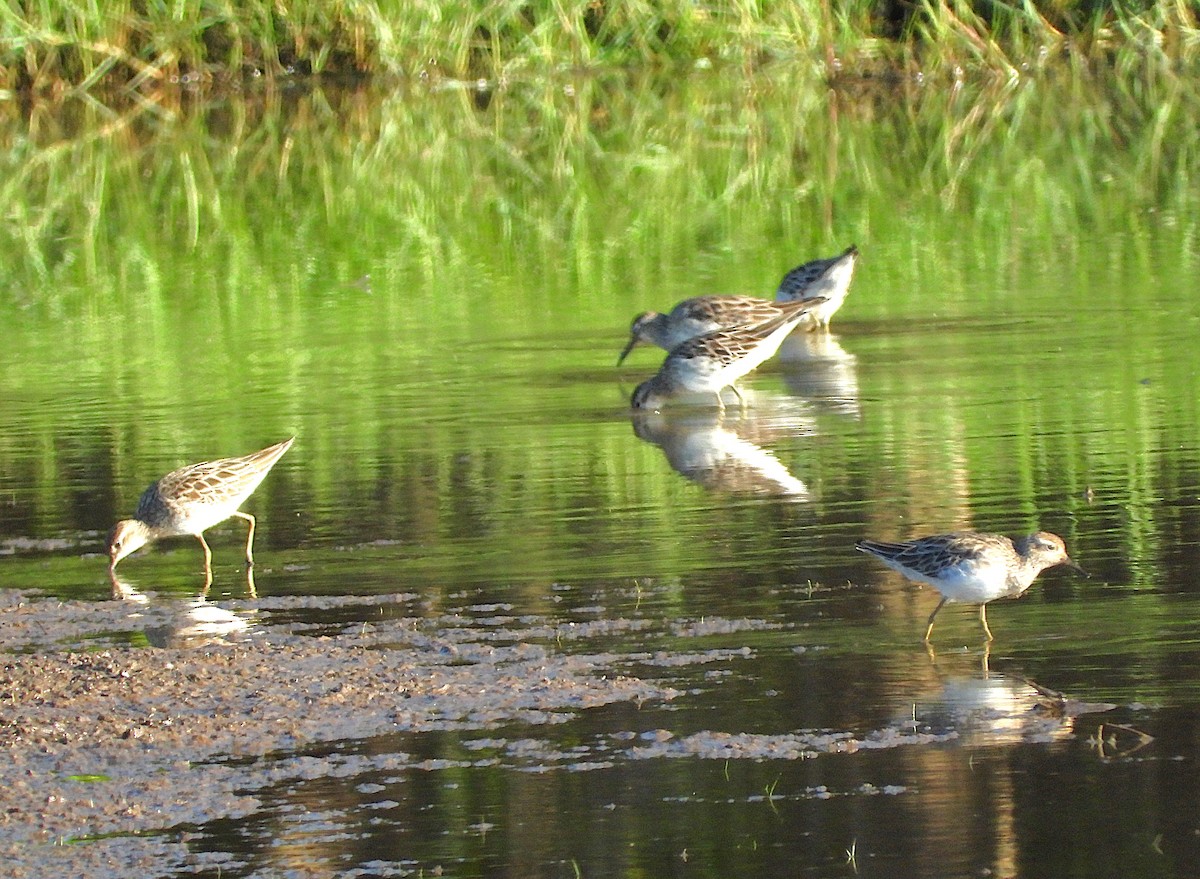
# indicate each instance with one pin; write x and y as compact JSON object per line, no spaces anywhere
{"x":463,"y":434}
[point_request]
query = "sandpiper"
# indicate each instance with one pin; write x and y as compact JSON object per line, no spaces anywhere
{"x":829,"y":278}
{"x":710,"y":363}
{"x":695,"y":317}
{"x":191,"y":500}
{"x":971,"y":566}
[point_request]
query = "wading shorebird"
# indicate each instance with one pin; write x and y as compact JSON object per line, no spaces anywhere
{"x":695,"y":317}
{"x":710,"y":363}
{"x":193,"y":499}
{"x":829,"y":278}
{"x":973,"y":567}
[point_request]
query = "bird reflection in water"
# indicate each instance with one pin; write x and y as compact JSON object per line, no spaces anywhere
{"x":818,"y":369}
{"x":181,"y":623}
{"x":993,"y":708}
{"x":720,"y":454}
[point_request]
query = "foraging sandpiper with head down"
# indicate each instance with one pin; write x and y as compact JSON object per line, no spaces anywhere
{"x":193,"y":499}
{"x":710,"y":363}
{"x":828,"y":278}
{"x":695,"y":317}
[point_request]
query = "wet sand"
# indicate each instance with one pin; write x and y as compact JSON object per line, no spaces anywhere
{"x":105,"y":738}
{"x":130,"y":723}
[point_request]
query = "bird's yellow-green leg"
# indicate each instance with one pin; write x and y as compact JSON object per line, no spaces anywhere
{"x":929,"y":630}
{"x":738,"y":394}
{"x":249,"y":535}
{"x":983,"y":619}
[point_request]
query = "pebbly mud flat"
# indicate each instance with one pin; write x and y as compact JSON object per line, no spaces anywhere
{"x":105,"y":741}
{"x":128,"y":723}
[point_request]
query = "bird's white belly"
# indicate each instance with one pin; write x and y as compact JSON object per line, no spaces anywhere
{"x":198,"y":520}
{"x":702,"y":376}
{"x":973,"y":582}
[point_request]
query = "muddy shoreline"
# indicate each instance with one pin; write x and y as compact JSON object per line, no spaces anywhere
{"x":106,"y":738}
{"x":133,"y":724}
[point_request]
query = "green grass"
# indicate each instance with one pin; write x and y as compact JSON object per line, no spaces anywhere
{"x":254,"y":219}
{"x":139,"y":44}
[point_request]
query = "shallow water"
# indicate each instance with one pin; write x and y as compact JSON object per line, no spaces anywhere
{"x":439,"y":327}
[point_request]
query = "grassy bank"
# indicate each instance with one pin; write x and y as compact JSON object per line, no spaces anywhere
{"x":55,"y":44}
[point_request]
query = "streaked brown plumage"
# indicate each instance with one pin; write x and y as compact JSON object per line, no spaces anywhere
{"x":695,"y":317}
{"x":191,"y":500}
{"x":714,"y":361}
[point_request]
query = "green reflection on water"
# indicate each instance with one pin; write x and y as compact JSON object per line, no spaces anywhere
{"x":430,"y":286}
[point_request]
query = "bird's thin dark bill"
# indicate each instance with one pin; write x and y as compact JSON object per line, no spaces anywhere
{"x":632,"y":343}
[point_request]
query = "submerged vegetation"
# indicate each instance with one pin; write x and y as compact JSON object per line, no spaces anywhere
{"x":136,"y":44}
